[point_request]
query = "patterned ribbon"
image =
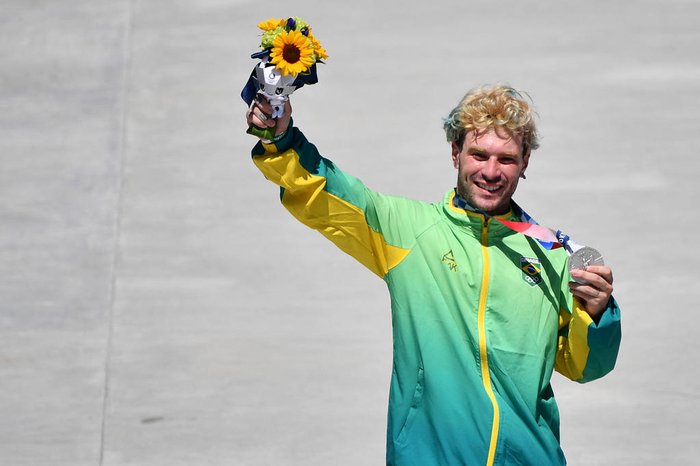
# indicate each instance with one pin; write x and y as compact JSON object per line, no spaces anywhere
{"x":549,"y":239}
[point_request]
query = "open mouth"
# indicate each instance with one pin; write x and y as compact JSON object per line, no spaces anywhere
{"x":491,"y":189}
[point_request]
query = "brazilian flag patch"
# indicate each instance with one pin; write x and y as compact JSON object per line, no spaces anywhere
{"x":532,"y":270}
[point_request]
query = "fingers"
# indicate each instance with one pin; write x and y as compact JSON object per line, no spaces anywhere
{"x":598,"y":279}
{"x":588,"y":292}
{"x":595,"y":273}
{"x":593,"y":286}
{"x":601,"y":270}
{"x":263,"y":103}
{"x":259,"y":114}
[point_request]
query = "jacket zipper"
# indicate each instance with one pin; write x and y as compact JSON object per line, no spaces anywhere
{"x":483,"y":356}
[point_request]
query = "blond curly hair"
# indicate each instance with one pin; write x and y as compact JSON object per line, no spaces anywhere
{"x":498,"y":107}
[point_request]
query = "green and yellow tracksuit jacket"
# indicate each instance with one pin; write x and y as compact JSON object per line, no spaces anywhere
{"x":481,"y":315}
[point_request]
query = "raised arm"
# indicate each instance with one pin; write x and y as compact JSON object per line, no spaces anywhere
{"x":324,"y":198}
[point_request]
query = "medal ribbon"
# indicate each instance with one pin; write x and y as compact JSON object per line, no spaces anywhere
{"x":527,"y":226}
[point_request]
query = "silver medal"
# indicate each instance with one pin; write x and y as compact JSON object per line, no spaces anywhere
{"x":584,"y":257}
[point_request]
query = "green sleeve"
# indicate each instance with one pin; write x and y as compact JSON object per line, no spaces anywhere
{"x":365,"y":224}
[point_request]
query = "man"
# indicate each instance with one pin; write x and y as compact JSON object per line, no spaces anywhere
{"x":481,"y":314}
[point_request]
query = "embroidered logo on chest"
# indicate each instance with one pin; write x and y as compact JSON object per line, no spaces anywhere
{"x":532,"y":269}
{"x":449,"y":260}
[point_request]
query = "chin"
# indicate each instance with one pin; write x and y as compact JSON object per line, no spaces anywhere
{"x":494,"y":208}
{"x":487,"y":206}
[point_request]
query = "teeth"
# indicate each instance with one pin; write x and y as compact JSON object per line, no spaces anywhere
{"x":488,"y":188}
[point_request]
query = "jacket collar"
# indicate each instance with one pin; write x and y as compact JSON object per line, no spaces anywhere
{"x":467,"y":216}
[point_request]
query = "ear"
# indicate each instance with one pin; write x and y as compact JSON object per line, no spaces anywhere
{"x":526,"y":160}
{"x":456,"y":150}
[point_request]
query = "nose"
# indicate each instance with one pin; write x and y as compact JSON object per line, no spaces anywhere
{"x":490,"y":170}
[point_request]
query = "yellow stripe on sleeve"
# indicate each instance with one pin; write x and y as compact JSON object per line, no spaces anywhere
{"x":335,"y":218}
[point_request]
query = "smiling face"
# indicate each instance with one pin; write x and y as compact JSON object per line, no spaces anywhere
{"x":489,"y":164}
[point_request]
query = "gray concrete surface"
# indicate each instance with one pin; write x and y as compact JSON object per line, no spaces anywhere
{"x":157,"y":305}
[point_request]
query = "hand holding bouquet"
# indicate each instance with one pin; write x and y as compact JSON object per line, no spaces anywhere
{"x":287,"y":62}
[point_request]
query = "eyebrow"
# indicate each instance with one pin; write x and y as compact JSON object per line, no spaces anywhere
{"x":500,"y":154}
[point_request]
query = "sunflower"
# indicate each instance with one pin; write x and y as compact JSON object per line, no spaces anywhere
{"x":319,"y":52}
{"x":272,"y":24}
{"x":292,"y":52}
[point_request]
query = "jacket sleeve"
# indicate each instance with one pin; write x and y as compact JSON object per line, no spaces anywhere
{"x":335,"y":204}
{"x":587,"y":350}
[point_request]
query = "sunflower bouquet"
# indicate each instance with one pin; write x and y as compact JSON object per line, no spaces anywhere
{"x":288,"y":56}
